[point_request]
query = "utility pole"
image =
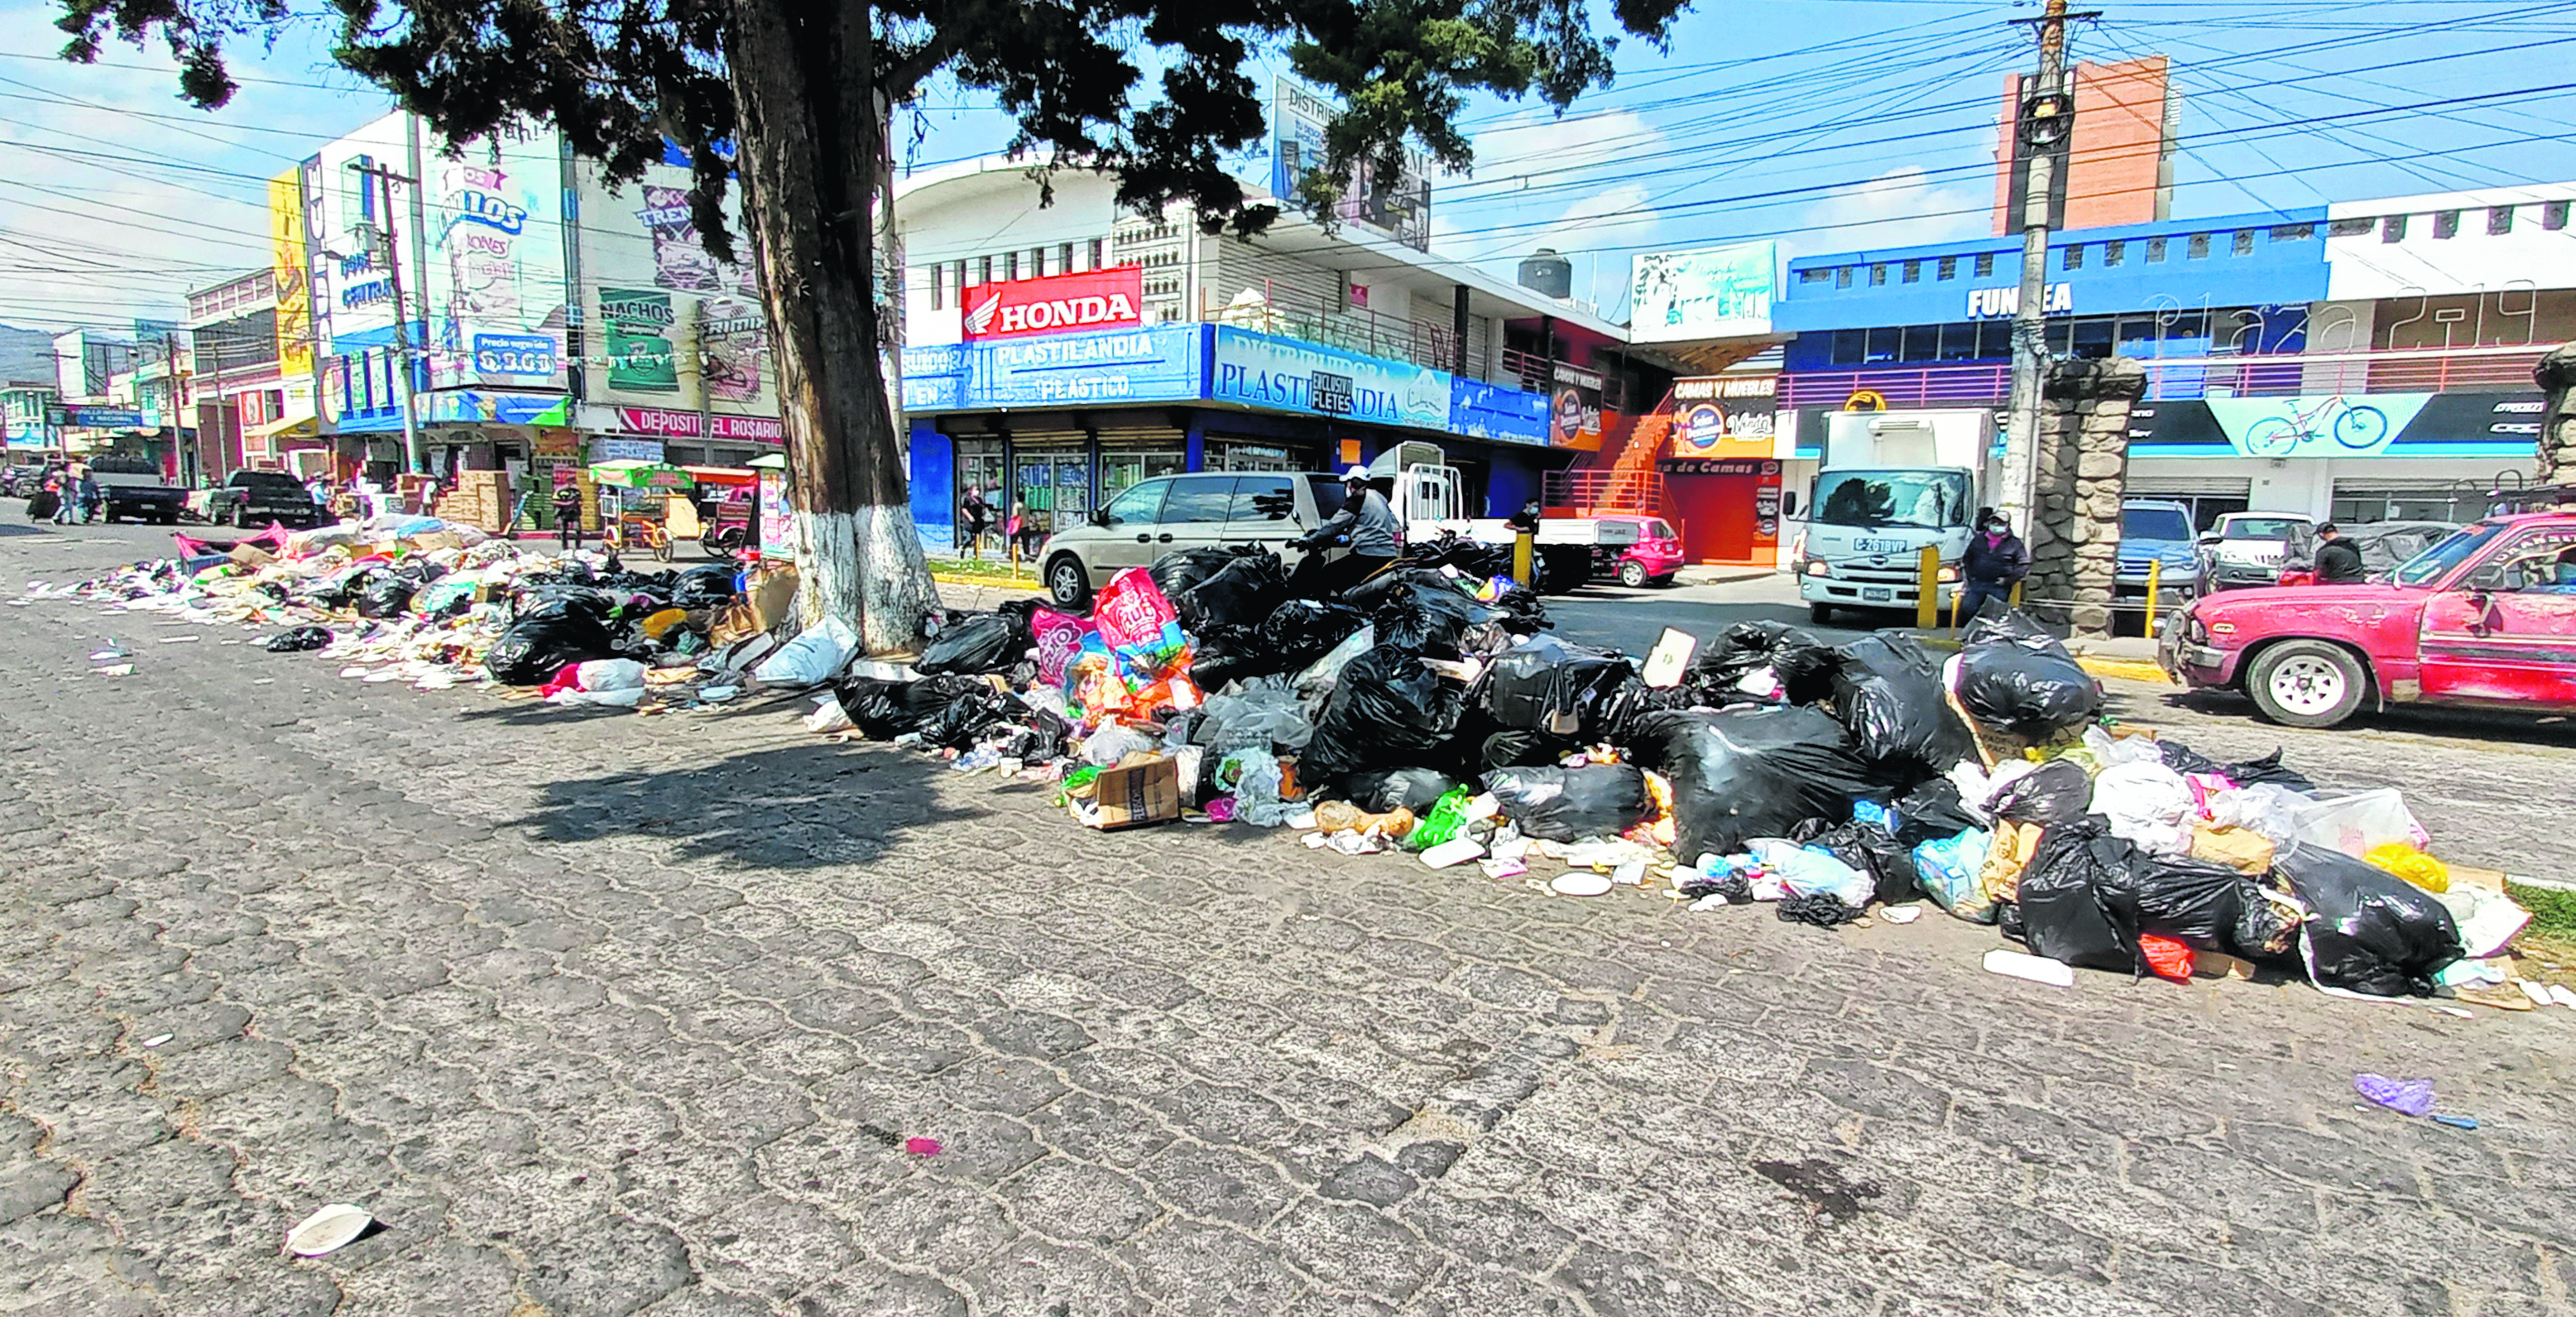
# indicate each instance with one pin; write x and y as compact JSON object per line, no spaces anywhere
{"x":385,"y":178}
{"x":2043,"y":120}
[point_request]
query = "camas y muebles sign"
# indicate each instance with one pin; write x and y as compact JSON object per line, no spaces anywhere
{"x":1056,"y":304}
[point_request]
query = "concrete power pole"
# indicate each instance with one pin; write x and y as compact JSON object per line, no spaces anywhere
{"x":2045,"y":118}
{"x":384,"y":177}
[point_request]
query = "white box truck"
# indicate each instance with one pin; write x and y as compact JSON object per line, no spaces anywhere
{"x":1891,"y":483}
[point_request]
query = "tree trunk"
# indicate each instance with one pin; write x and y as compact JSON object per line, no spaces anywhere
{"x":810,"y":151}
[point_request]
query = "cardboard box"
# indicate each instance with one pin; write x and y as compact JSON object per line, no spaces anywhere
{"x":1139,"y":794}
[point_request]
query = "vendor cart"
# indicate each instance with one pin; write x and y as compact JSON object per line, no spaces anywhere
{"x":636,"y":503}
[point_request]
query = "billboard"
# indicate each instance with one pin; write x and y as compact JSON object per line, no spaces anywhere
{"x":1724,"y":416}
{"x":494,"y":299}
{"x":1292,"y":375}
{"x":1497,"y":412}
{"x":290,"y":264}
{"x":1716,"y":292}
{"x":2464,"y":424}
{"x":1056,"y":304}
{"x":678,"y":329}
{"x":1162,"y":364}
{"x":1399,"y":207}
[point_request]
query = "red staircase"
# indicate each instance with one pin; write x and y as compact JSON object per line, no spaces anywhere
{"x":1620,"y":480}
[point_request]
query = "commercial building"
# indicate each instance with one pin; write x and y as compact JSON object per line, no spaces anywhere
{"x":1058,"y":353}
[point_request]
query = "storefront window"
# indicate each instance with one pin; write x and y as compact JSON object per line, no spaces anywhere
{"x":979,"y":463}
{"x":1123,"y":465}
{"x":1054,"y":481}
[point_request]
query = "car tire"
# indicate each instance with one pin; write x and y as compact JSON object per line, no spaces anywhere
{"x":1066,"y":582}
{"x":1664,"y":582}
{"x":2307,"y":683}
{"x":1820,"y":614}
{"x":1632,"y":574}
{"x":241,"y":518}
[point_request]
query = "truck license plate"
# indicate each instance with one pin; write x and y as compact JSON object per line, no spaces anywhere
{"x":1877,"y":594}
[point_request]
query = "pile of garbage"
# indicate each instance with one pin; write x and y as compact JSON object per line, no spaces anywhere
{"x":437,"y":605}
{"x":1428,"y":711}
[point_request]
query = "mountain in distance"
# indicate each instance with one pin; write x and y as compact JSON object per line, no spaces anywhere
{"x":26,"y":354}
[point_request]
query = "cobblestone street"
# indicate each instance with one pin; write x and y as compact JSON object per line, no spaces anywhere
{"x":601,"y":1014}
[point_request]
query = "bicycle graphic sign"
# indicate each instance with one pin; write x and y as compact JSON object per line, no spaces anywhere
{"x":2316,"y":425}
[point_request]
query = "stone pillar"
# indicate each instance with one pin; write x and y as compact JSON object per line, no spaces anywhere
{"x":2083,"y":469}
{"x":2556,"y":376}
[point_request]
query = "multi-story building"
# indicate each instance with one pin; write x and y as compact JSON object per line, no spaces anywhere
{"x":1058,"y":353}
{"x":248,"y":410}
{"x":26,"y":416}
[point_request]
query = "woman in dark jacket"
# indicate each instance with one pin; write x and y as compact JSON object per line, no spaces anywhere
{"x":1995,"y":562}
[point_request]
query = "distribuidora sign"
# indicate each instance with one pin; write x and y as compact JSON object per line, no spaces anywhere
{"x":1289,"y":375}
{"x":1056,"y":304}
{"x":1716,"y":292}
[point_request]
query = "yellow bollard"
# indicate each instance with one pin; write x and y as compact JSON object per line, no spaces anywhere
{"x":1927,"y":588}
{"x":2155,"y":579}
{"x":1957,"y":597}
{"x":1523,"y":551}
{"x":2016,"y":599}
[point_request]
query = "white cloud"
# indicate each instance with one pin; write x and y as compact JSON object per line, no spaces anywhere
{"x":1899,"y":208}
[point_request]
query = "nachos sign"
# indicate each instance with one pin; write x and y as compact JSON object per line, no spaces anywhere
{"x":1056,"y":304}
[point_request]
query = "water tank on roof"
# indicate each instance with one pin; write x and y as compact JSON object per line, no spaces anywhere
{"x":1546,"y":272}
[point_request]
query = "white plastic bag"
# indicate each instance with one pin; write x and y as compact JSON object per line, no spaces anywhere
{"x":2266,"y":808}
{"x":622,"y":697}
{"x":1113,"y":742}
{"x":2353,"y":824}
{"x":812,"y":658}
{"x":2148,"y":804}
{"x":609,"y":675}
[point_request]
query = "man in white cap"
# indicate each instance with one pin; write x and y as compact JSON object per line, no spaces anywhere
{"x":1374,"y":537}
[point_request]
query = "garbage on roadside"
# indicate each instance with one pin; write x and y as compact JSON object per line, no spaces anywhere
{"x":1428,"y":712}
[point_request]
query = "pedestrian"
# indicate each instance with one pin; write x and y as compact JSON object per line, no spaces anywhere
{"x":66,"y":492}
{"x":92,"y":498}
{"x":1374,"y":535}
{"x":568,"y":515}
{"x":1996,"y":561}
{"x":977,"y":514}
{"x":2337,"y":559}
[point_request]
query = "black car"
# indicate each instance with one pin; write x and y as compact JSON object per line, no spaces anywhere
{"x":256,"y":498}
{"x":132,"y":488}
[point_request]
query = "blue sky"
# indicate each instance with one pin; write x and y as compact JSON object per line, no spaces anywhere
{"x":1831,"y":124}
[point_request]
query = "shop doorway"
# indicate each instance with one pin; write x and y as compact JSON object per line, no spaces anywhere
{"x":1716,"y":515}
{"x":1055,"y":484}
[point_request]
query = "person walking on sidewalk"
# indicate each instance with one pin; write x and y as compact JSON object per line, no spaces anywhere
{"x":1996,"y":561}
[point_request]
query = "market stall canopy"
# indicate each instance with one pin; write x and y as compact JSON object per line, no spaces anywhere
{"x":635,"y":473}
{"x":722,"y":475}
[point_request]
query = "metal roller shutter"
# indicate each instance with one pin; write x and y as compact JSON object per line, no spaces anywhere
{"x":2147,"y":484}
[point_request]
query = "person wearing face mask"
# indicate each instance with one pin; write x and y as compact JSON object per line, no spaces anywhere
{"x":1996,"y":560}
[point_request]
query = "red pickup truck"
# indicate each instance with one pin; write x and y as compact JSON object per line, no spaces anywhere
{"x":2485,"y":619}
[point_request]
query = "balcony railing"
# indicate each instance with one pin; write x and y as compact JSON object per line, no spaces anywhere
{"x":1981,"y":384}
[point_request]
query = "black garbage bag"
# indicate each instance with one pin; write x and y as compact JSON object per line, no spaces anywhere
{"x":1888,"y":691}
{"x":711,"y":586}
{"x":43,"y":504}
{"x":1933,"y":810}
{"x":1387,"y":710}
{"x":1176,"y":573}
{"x":298,"y":640}
{"x":341,"y":589}
{"x":1867,"y":848}
{"x":1379,"y":791}
{"x":1570,"y":804}
{"x":1824,"y":910}
{"x":1546,"y":684}
{"x":388,"y":594}
{"x":1746,"y":774}
{"x":1520,"y":749}
{"x":2062,"y":914}
{"x":981,"y":642}
{"x":1042,"y":737}
{"x":883,"y":709}
{"x":567,"y":628}
{"x":1422,"y":611}
{"x":1241,"y":593}
{"x":2055,"y":792}
{"x":965,"y":719}
{"x":2014,"y":676}
{"x":1735,"y":887}
{"x":2190,"y":901}
{"x":1301,"y":631}
{"x":2244,"y":773}
{"x":2368,"y":930}
{"x":1616,"y":713}
{"x":1803,"y":663}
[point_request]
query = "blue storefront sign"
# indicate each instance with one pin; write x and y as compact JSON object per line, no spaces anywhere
{"x":1491,"y":411}
{"x":469,"y":405}
{"x":1291,"y":375}
{"x":1165,"y":364}
{"x":101,"y":418}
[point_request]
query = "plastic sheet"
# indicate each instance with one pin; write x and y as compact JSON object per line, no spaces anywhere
{"x":1570,"y":804}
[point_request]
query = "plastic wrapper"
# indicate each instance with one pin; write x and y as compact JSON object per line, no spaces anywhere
{"x":983,"y":642}
{"x":1570,"y":804}
{"x":1809,"y":871}
{"x":1888,"y":691}
{"x":1447,"y":819}
{"x":1379,"y":791}
{"x":1386,"y":710}
{"x":1868,"y":848}
{"x":1140,"y":628}
{"x":1058,"y":638}
{"x":2015,"y":677}
{"x":2368,"y":931}
{"x":1544,"y":684}
{"x":1759,"y":773}
{"x":1946,"y":868}
{"x":298,"y":640}
{"x":2148,"y":805}
{"x":2053,"y":792}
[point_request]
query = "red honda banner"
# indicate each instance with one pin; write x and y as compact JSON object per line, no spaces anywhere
{"x":1056,"y":304}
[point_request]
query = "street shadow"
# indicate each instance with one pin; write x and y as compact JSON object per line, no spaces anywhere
{"x":794,"y":807}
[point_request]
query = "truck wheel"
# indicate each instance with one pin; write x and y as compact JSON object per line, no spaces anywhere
{"x":1632,"y":574}
{"x":1066,"y":582}
{"x":241,"y":517}
{"x":1820,"y":614}
{"x":2307,"y":683}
